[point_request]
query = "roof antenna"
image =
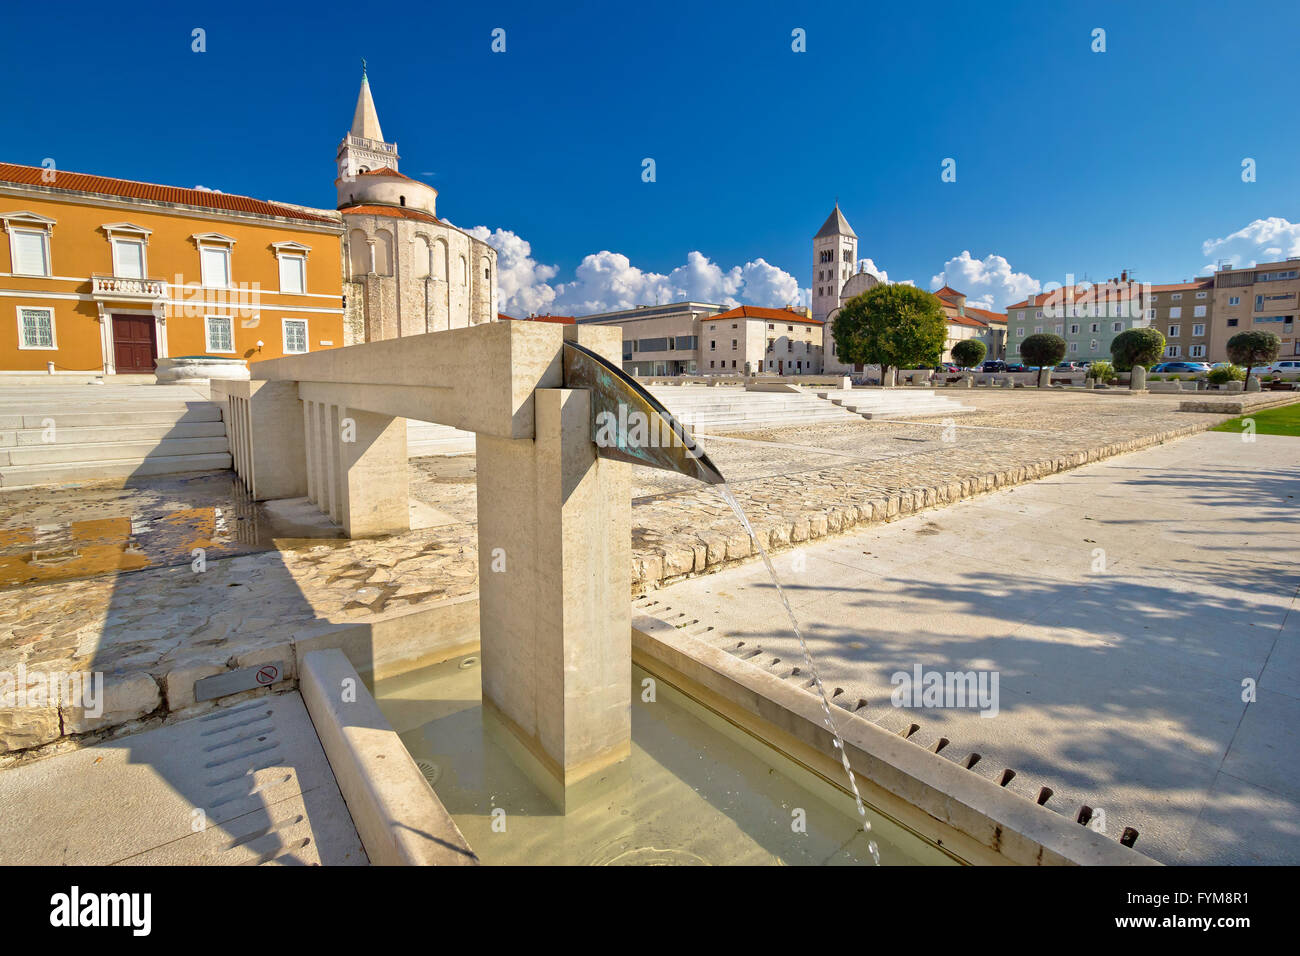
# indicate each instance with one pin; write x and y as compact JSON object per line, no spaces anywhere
{"x":363,"y":67}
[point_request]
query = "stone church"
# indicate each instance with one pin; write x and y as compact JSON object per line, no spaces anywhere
{"x":405,"y":271}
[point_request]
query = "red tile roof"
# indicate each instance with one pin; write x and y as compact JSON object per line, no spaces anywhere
{"x":396,"y":212}
{"x":948,"y":292}
{"x":131,"y":189}
{"x":966,"y":320}
{"x":385,"y":171}
{"x":987,"y":316}
{"x":759,"y":312}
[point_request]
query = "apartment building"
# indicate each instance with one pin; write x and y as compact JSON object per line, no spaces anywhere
{"x":108,"y":275}
{"x":1182,"y":312}
{"x":1262,"y":297}
{"x":1088,"y":316}
{"x":756,"y":340}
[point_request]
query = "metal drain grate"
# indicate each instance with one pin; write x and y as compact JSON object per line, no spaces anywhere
{"x":432,"y":772}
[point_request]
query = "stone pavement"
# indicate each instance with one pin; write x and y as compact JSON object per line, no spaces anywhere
{"x":246,"y":784}
{"x":159,"y":628}
{"x":1127,"y":606}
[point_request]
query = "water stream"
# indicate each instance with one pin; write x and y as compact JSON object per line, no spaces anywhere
{"x":730,"y":499}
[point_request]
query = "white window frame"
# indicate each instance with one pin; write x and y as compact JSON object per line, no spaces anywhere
{"x":215,"y":240}
{"x":1196,"y":351}
{"x":290,"y":251}
{"x":1234,"y":300}
{"x":54,"y":336}
{"x":1074,"y":329}
{"x":1200,"y":295}
{"x":284,"y":336}
{"x":1020,"y":331}
{"x":1171,"y":351}
{"x":1175,"y":331}
{"x":30,"y":222}
{"x":1198,"y":312}
{"x":1117,"y":326}
{"x":207,"y":335}
{"x":44,"y":236}
{"x":1176,"y":312}
{"x":1198,"y":330}
{"x":1177,"y":296}
{"x":115,"y":241}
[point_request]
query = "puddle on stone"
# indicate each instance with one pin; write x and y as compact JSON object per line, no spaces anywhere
{"x":695,"y":790}
{"x":65,"y":534}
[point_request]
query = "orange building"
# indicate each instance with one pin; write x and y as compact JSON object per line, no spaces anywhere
{"x":108,"y":275}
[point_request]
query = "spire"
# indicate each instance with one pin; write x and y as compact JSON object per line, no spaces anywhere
{"x":365,"y":121}
{"x":836,"y":225}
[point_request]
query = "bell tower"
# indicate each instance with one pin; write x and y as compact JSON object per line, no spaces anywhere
{"x":835,"y":258}
{"x":363,"y":149}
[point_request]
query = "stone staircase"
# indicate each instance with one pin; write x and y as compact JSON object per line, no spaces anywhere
{"x":63,"y":434}
{"x":893,"y":402}
{"x":426,"y":438}
{"x":704,"y":408}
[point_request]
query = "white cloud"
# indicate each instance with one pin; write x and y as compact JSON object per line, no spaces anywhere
{"x":1264,"y":240}
{"x":522,"y":282}
{"x":605,"y":281}
{"x":869,"y":265}
{"x":988,"y":283}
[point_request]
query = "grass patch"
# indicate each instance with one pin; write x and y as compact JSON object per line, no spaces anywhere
{"x":1281,"y":420}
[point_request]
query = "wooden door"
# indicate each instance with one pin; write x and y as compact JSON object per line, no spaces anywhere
{"x":134,"y":348}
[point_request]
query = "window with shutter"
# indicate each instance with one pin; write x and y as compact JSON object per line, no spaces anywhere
{"x":293,"y":271}
{"x":31,"y":252}
{"x":219,"y":334}
{"x":128,"y":259}
{"x":215,"y":264}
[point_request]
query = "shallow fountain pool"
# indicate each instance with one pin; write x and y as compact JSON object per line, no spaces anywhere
{"x":695,"y":790}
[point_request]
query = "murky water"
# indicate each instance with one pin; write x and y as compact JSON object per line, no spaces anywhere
{"x":829,"y":720}
{"x":66,"y":534}
{"x":696,"y":790}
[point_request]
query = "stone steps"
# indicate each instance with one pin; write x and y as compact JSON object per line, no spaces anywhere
{"x":426,"y":438}
{"x":61,"y":453}
{"x":17,"y":476}
{"x":92,"y":433}
{"x":717,"y":408}
{"x":893,"y":403}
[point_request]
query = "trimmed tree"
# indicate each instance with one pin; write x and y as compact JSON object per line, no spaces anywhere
{"x":969,"y":352}
{"x":1249,"y":349}
{"x":1131,"y":347}
{"x":893,"y":326}
{"x":1044,"y":350}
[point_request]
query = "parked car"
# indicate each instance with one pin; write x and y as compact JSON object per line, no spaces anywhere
{"x":1181,"y":368}
{"x":1017,"y":367}
{"x":994,"y":365}
{"x":1280,"y":367}
{"x":946,"y":367}
{"x":1070,"y":367}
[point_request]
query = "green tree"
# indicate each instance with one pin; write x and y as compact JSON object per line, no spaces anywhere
{"x":969,"y":352}
{"x":1253,"y":348}
{"x":1142,"y":346}
{"x":1044,"y":350}
{"x":1102,"y":372}
{"x":893,"y":326}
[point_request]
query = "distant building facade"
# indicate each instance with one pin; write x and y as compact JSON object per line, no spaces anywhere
{"x":659,"y":339}
{"x":1262,"y":297}
{"x":407,"y":272}
{"x":108,"y":275}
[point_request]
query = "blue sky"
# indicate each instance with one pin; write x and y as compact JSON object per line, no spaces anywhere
{"x":1068,"y":161}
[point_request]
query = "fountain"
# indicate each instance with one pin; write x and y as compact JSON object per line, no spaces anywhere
{"x":548,"y":720}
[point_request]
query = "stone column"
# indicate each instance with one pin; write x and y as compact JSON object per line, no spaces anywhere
{"x":1044,"y":377}
{"x":1138,"y":378}
{"x":373,"y":474}
{"x":554,"y":537}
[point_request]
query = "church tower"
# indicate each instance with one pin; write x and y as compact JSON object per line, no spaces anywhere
{"x":363,"y":149}
{"x":835,"y":257}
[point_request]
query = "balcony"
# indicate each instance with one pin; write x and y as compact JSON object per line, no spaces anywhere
{"x":119,"y":289}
